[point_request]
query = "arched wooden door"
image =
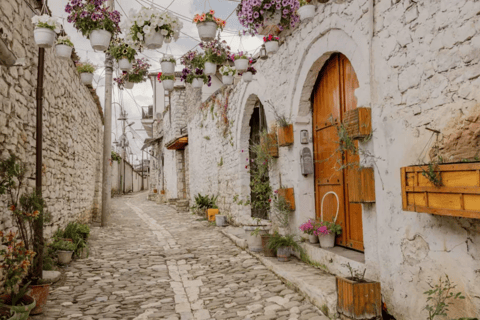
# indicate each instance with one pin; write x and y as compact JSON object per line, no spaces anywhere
{"x":333,"y":96}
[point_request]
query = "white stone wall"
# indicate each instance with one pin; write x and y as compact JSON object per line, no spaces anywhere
{"x":73,"y":130}
{"x":417,"y":64}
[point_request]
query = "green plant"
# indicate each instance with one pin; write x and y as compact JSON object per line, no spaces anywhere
{"x":78,"y":233}
{"x":65,"y":40}
{"x":120,"y":50}
{"x":116,"y":157}
{"x":63,"y":245}
{"x":162,"y":77}
{"x":355,"y":275}
{"x":205,"y":202}
{"x":45,"y":21}
{"x":432,"y":174}
{"x":276,"y":241}
{"x":304,"y":3}
{"x":215,"y":51}
{"x":168,"y":58}
{"x":85,"y":67}
{"x":88,"y":16}
{"x":206,"y":137}
{"x":221,"y":162}
{"x":227,"y":71}
{"x":281,"y":211}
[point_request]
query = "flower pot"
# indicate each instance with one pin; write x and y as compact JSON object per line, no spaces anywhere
{"x":124,"y":64}
{"x":241,"y":64}
{"x":210,"y":68}
{"x":168,"y":85}
{"x":6,"y":313}
{"x":283,"y":254}
{"x":327,"y":240}
{"x":227,"y":79}
{"x":167,"y":40}
{"x":271,"y":46}
{"x":83,"y":253}
{"x":44,"y":37}
{"x":211,"y":213}
{"x":358,"y":299}
{"x":87,"y":78}
{"x":21,"y":311}
{"x":221,"y":220}
{"x":168,"y":67}
{"x":254,"y":241}
{"x":266,"y":251}
{"x":197,"y":83}
{"x":40,"y":294}
{"x":100,"y":39}
{"x":306,"y":12}
{"x":162,"y":191}
{"x":312,"y":238}
{"x":154,"y":40}
{"x":63,"y":51}
{"x":155,"y":190}
{"x":64,"y":257}
{"x":247,"y":76}
{"x":128,"y":85}
{"x":207,"y":30}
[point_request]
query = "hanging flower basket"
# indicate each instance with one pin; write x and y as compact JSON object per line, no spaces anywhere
{"x":210,"y":68}
{"x":227,"y":74}
{"x":197,"y":78}
{"x":128,"y":85}
{"x":216,"y":53}
{"x":197,"y":83}
{"x":64,"y":47}
{"x":168,"y":64}
{"x":168,"y":81}
{"x":45,"y":28}
{"x":154,"y":40}
{"x":86,"y":71}
{"x":123,"y":53}
{"x":241,"y":61}
{"x":138,"y":74}
{"x":248,"y":75}
{"x":271,"y":44}
{"x":124,"y":64}
{"x":207,"y":25}
{"x":87,"y":78}
{"x":306,"y":12}
{"x":100,"y":39}
{"x":168,"y":85}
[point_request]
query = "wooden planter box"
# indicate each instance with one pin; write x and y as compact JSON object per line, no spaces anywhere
{"x":358,"y":123}
{"x":162,"y":191}
{"x":358,"y":300}
{"x":459,"y":195}
{"x":361,"y":185}
{"x":289,"y":195}
{"x":271,"y":143}
{"x":285,"y":136}
{"x":211,"y":213}
{"x":155,"y":190}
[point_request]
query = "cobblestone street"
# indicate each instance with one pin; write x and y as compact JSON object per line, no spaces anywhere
{"x":155,"y":263}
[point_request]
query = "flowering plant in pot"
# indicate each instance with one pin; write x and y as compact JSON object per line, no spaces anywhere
{"x":283,"y":246}
{"x":326,"y":232}
{"x":216,"y":52}
{"x":271,"y":43}
{"x":64,"y":47}
{"x":138,"y":74}
{"x":257,"y":14}
{"x":310,"y":228}
{"x":123,"y":53}
{"x":306,"y":10}
{"x":207,"y":25}
{"x":197,"y":78}
{"x":168,"y":81}
{"x":64,"y":250}
{"x":94,"y":20}
{"x":241,"y":61}
{"x":86,"y":70}
{"x":248,"y":74}
{"x":227,"y":73}
{"x":168,"y":63}
{"x":45,"y":29}
{"x":149,"y":27}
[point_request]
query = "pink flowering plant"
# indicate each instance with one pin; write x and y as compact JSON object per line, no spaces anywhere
{"x":252,"y":14}
{"x":162,"y":77}
{"x":238,"y":56}
{"x":308,"y":227}
{"x":327,"y":227}
{"x":271,"y":37}
{"x":90,"y":15}
{"x":215,"y":51}
{"x":250,"y":69}
{"x":138,"y":74}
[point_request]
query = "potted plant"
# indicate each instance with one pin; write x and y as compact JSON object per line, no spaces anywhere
{"x":45,"y":29}
{"x":306,"y":10}
{"x":64,"y":47}
{"x":86,"y":70}
{"x":148,"y":27}
{"x":168,"y":81}
{"x":198,"y":78}
{"x":326,"y":232}
{"x":253,"y":235}
{"x":283,"y":246}
{"x":94,"y":20}
{"x":227,"y":74}
{"x":248,"y":75}
{"x":309,"y":228}
{"x":271,"y":43}
{"x":284,"y":129}
{"x":216,"y":53}
{"x":123,"y":54}
{"x":16,"y":260}
{"x":168,"y":63}
{"x":64,"y":250}
{"x":138,"y":74}
{"x":207,"y":25}
{"x":241,"y":61}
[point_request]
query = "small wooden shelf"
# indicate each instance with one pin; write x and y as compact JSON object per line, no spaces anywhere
{"x":178,"y":144}
{"x":289,"y":196}
{"x":361,"y":185}
{"x":358,"y":123}
{"x":285,"y":136}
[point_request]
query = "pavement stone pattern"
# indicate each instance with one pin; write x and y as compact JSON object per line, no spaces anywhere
{"x":153,"y":262}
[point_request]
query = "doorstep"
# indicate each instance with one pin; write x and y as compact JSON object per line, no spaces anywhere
{"x":316,"y":285}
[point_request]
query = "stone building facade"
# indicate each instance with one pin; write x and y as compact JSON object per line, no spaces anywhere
{"x":73,"y":124}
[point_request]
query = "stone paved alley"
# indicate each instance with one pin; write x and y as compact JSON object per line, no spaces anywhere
{"x":153,"y":262}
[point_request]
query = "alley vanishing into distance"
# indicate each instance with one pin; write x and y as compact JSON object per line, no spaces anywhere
{"x":153,"y":262}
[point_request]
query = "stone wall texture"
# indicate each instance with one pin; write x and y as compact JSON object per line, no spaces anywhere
{"x":418,"y":67}
{"x":73,"y":129}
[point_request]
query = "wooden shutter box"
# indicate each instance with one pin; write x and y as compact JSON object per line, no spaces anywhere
{"x":358,"y":123}
{"x":459,"y":195}
{"x":358,"y":300}
{"x":361,"y":185}
{"x":272,"y":144}
{"x":289,"y":195}
{"x":285,"y":136}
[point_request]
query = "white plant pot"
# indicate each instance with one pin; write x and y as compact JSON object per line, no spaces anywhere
{"x":254,"y":241}
{"x":306,"y":12}
{"x":312,"y":238}
{"x":167,"y":40}
{"x":271,"y":46}
{"x":197,"y":83}
{"x":241,"y":65}
{"x":128,"y":85}
{"x":273,"y":19}
{"x":221,"y":220}
{"x":44,"y":37}
{"x":100,"y":39}
{"x":227,"y":79}
{"x":63,"y":51}
{"x":327,"y":241}
{"x":154,"y":40}
{"x":168,"y":85}
{"x":210,"y":68}
{"x":283,"y":254}
{"x":207,"y":30}
{"x":124,"y":64}
{"x":247,"y":76}
{"x":87,"y":78}
{"x":64,"y":257}
{"x":168,"y":67}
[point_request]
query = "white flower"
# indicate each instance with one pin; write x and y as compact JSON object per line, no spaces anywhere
{"x":140,"y":36}
{"x":35,"y":19}
{"x":146,"y":29}
{"x":164,"y":32}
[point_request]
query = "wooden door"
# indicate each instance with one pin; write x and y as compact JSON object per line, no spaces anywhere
{"x":333,"y":96}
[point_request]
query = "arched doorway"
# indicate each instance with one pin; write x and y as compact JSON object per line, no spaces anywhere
{"x":332,"y":97}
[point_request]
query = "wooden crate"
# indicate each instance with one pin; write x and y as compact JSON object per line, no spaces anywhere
{"x":272,"y":144}
{"x":459,"y":195}
{"x":285,"y":135}
{"x":361,"y":185}
{"x":358,"y":300}
{"x":358,"y":123}
{"x":289,"y":195}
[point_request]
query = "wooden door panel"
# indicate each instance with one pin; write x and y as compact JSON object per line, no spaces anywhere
{"x":327,"y":160}
{"x":330,"y":207}
{"x":327,"y":105}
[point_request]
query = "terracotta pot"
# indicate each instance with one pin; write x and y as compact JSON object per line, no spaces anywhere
{"x":21,"y":311}
{"x":266,"y":251}
{"x":283,"y":254}
{"x":40,"y":294}
{"x":100,"y":39}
